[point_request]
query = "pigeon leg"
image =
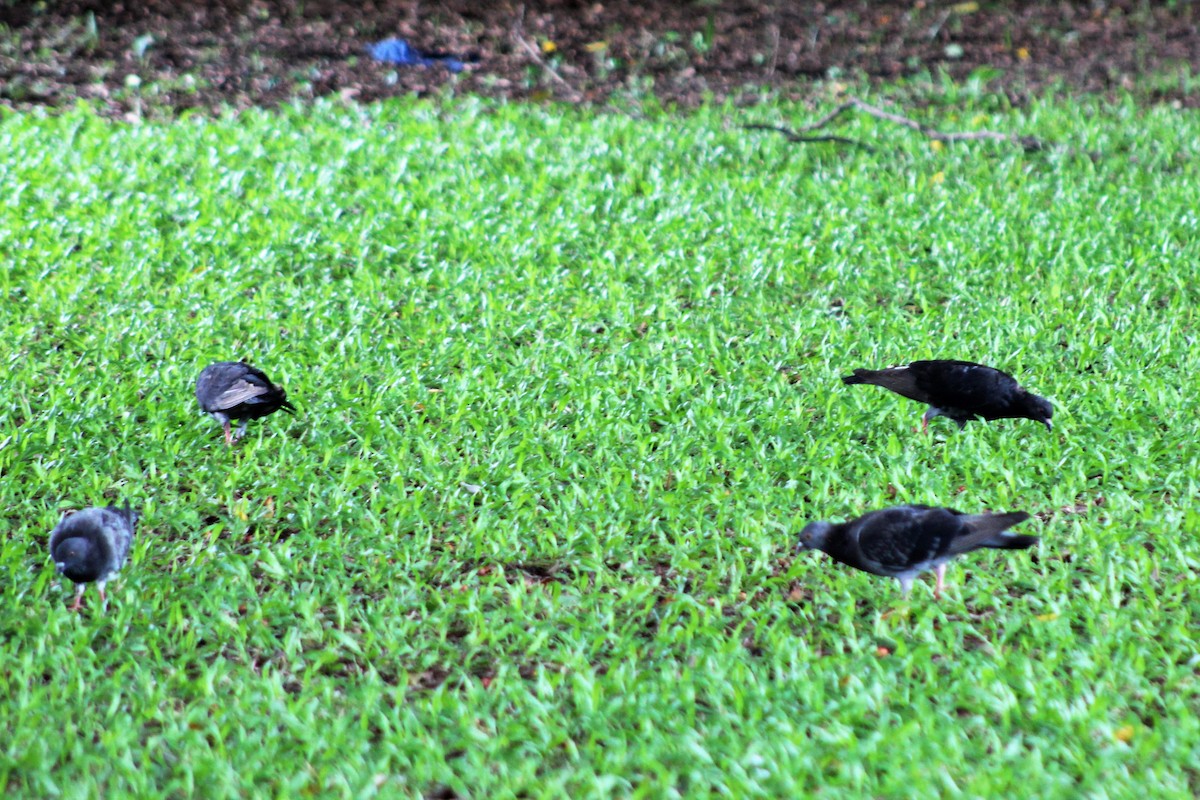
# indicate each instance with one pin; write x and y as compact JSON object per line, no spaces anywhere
{"x":241,"y":430}
{"x":228,"y":435}
{"x":906,"y":585}
{"x":78,"y":604}
{"x":941,"y":581}
{"x":925,"y":420}
{"x":103,"y":598}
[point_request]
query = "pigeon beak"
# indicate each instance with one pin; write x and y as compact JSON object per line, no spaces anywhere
{"x":1048,"y":425}
{"x":60,"y":567}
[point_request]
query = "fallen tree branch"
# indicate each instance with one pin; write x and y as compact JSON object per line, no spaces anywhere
{"x":792,"y":136}
{"x":1029,"y":143}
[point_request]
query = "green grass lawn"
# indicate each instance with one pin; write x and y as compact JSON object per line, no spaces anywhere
{"x":568,"y":388}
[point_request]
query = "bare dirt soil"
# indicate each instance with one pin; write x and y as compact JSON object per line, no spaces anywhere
{"x":176,"y":55}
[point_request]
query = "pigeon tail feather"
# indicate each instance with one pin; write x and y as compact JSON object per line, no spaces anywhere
{"x":1011,"y":541}
{"x":988,"y":530}
{"x":131,"y":516}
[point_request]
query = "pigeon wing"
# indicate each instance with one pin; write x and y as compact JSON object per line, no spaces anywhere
{"x":902,"y":538}
{"x":965,"y":385}
{"x":118,"y":527}
{"x":248,"y":389}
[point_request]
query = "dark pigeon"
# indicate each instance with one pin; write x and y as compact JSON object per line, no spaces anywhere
{"x":92,"y":546}
{"x":903,"y":541}
{"x":960,"y":390}
{"x":235,"y":390}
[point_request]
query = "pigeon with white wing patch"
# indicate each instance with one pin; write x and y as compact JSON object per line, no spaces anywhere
{"x":234,"y":390}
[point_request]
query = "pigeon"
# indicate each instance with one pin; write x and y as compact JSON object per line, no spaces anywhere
{"x":960,"y":390}
{"x":903,"y":541}
{"x":92,"y":545}
{"x":235,"y":390}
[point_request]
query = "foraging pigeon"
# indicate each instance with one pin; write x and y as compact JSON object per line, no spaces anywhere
{"x":959,"y":390}
{"x":235,"y":390}
{"x":904,"y":541}
{"x":92,"y":545}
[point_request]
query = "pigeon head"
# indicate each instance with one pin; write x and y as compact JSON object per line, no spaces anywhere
{"x":77,"y":560}
{"x":1039,"y":409}
{"x":814,"y":535}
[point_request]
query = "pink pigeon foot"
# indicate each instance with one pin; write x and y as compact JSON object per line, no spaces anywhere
{"x":940,"y":571}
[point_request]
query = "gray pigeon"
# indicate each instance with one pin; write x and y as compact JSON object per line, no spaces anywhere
{"x":235,"y":390}
{"x":903,"y":541}
{"x":960,"y":390}
{"x":92,"y":545}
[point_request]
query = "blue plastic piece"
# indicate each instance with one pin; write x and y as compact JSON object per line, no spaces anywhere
{"x":401,"y":53}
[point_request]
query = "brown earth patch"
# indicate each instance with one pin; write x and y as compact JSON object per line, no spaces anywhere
{"x":159,"y":54}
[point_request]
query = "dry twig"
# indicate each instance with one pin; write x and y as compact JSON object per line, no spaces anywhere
{"x":792,"y":136}
{"x":518,"y":35}
{"x":1029,"y":143}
